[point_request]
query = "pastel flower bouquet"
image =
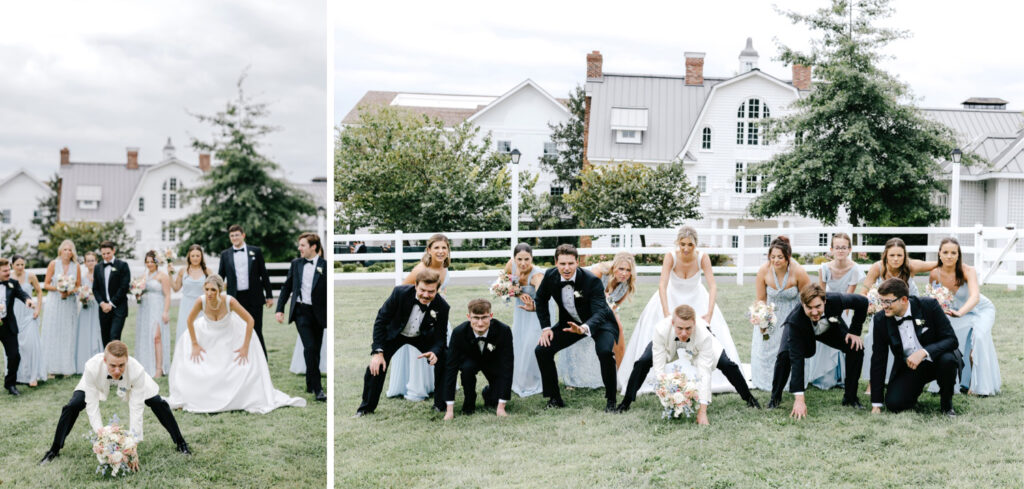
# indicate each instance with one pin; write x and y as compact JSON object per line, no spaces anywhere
{"x":677,"y":394}
{"x":506,"y":287}
{"x":65,"y":284}
{"x":138,"y":287}
{"x":116,"y":450}
{"x":941,"y":294}
{"x":85,"y":296}
{"x":762,"y":315}
{"x":874,"y":302}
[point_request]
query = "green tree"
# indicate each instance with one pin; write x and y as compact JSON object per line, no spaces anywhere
{"x":242,"y":190}
{"x":858,"y":143}
{"x":11,"y":244}
{"x":87,"y":236}
{"x":396,"y":170}
{"x":552,"y":211}
{"x":49,"y":207}
{"x":614,"y":195}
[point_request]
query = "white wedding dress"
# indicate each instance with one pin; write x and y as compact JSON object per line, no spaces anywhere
{"x":680,"y":291}
{"x":218,"y":383}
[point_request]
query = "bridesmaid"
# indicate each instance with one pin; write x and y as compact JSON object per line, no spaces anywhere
{"x":89,"y":341}
{"x":60,"y":312}
{"x":32,"y":368}
{"x":189,"y":280}
{"x":839,"y":275}
{"x":411,"y":377}
{"x":152,"y":329}
{"x":972,"y":316}
{"x":525,"y":325}
{"x":778,"y":282}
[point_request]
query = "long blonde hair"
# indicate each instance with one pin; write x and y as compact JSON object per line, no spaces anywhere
{"x":623,"y":257}
{"x":67,"y":243}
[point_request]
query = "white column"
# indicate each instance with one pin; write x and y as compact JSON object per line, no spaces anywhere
{"x":515,"y":206}
{"x":954,"y":198}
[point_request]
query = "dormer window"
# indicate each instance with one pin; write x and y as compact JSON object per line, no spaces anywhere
{"x":748,"y":127}
{"x":88,"y":197}
{"x":629,"y":124}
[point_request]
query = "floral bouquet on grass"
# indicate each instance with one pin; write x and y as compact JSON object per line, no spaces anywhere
{"x":677,"y":394}
{"x":874,"y":302}
{"x":84,"y":296}
{"x":116,"y":449}
{"x":506,"y":287}
{"x":941,"y":294}
{"x":66,"y":284}
{"x":138,"y":287}
{"x":762,"y":315}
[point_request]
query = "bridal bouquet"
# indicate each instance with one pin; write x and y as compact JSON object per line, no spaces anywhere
{"x":506,"y":287}
{"x":84,"y":296}
{"x":65,"y":284}
{"x":116,"y":449}
{"x":138,"y":287}
{"x":874,"y":302}
{"x":941,"y":294}
{"x":676,"y":393}
{"x":762,"y":315}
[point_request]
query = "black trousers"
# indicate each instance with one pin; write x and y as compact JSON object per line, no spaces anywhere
{"x":69,"y":414}
{"x":604,"y":343}
{"x":253,"y":301}
{"x":468,"y":371}
{"x":112,"y":323}
{"x":374,"y":384}
{"x":643,"y":365}
{"x":312,"y":335}
{"x":10,"y":342}
{"x":906,"y":384}
{"x":834,"y":337}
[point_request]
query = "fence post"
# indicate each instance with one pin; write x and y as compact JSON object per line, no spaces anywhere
{"x":741,"y":234}
{"x":627,"y":237}
{"x":979,"y":253}
{"x":398,"y":257}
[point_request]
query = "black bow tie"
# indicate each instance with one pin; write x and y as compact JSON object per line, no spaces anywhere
{"x":108,"y":264}
{"x":310,"y":261}
{"x":423,"y":307}
{"x":110,"y":378}
{"x":481,"y":339}
{"x":568,"y":283}
{"x":905,"y":318}
{"x":239,"y":250}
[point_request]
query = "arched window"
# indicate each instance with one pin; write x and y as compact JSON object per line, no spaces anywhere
{"x":747,"y":128}
{"x":705,"y":138}
{"x":169,"y":199}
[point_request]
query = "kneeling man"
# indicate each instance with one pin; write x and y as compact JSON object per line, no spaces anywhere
{"x":482,"y":344}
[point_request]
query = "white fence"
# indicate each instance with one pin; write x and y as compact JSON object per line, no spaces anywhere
{"x":993,"y":250}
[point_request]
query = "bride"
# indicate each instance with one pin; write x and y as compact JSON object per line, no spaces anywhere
{"x":222,"y":368}
{"x":680,"y":284}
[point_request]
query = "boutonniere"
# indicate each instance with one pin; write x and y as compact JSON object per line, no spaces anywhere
{"x":122,"y":390}
{"x":490,"y":347}
{"x":577,"y":294}
{"x":919,"y":322}
{"x":833,"y":320}
{"x":433,"y":314}
{"x":252,"y":254}
{"x":320,"y":270}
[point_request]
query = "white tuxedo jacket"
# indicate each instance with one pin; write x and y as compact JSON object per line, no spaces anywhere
{"x":703,"y":347}
{"x":135,"y":386}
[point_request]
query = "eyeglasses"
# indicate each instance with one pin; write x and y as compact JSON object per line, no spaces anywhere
{"x":887,"y":302}
{"x":841,"y":248}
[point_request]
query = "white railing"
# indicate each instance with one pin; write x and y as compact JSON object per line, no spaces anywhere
{"x":993,"y":251}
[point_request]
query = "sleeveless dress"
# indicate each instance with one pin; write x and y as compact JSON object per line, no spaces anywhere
{"x":525,"y":335}
{"x":825,"y":367}
{"x":974,"y":334}
{"x":298,"y":365}
{"x":33,"y":364}
{"x":411,"y":377}
{"x":689,"y":291}
{"x":148,"y":316}
{"x":60,"y":319}
{"x":191,"y":291}
{"x":763,"y":352}
{"x":218,"y":383}
{"x":89,"y":342}
{"x":865,"y":371}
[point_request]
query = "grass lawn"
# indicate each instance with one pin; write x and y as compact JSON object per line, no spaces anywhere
{"x":285,"y":448}
{"x":406,"y":445}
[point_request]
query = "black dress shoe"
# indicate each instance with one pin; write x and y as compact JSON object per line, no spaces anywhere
{"x":437,"y":409}
{"x":773,"y":403}
{"x":13,"y":390}
{"x":950,"y":413}
{"x":854,"y":403}
{"x":183,"y":449}
{"x":752,"y":402}
{"x":48,"y":457}
{"x":610,"y":407}
{"x":321,"y":396}
{"x":623,"y":407}
{"x":554,"y":404}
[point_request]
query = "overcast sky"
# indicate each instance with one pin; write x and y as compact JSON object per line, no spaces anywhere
{"x":100,"y":76}
{"x":958,"y":50}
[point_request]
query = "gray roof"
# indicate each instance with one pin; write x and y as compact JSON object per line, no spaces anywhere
{"x":995,"y":135}
{"x":373,"y":100}
{"x":985,"y":101}
{"x":117,"y":182}
{"x":673,"y":107}
{"x":316,"y":189}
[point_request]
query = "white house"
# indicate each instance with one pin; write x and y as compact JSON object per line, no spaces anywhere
{"x":20,"y":194}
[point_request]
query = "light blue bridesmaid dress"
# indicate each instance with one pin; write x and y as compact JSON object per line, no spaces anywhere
{"x":763,"y":352}
{"x":33,"y":364}
{"x":60,"y":319}
{"x":298,"y":364}
{"x":974,"y":334}
{"x":411,"y":377}
{"x":88,"y":341}
{"x":825,"y":367}
{"x":151,"y":308}
{"x":525,"y":335}
{"x":191,"y":291}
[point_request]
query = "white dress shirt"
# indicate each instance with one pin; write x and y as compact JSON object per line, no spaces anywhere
{"x":241,"y":261}
{"x":3,"y":300}
{"x":106,"y":279}
{"x":568,"y":295}
{"x":135,"y":385}
{"x":306,"y":297}
{"x":412,"y":326}
{"x":477,"y":338}
{"x":910,"y":341}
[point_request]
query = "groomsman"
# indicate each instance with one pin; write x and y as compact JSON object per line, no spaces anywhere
{"x":918,"y":333}
{"x":114,"y":368}
{"x":685,"y":331}
{"x":307,"y":289}
{"x":245,"y":272}
{"x":582,"y":311}
{"x":820,"y":319}
{"x":111,"y":281}
{"x":482,"y":344}
{"x":413,"y":315}
{"x":9,"y":323}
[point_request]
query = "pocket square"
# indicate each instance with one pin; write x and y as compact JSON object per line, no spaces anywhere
{"x":924,"y":329}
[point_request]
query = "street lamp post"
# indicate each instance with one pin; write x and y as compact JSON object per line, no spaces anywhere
{"x":515,"y":155}
{"x":954,"y":198}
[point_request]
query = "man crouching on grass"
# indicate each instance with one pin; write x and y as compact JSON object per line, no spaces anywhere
{"x":482,"y":344}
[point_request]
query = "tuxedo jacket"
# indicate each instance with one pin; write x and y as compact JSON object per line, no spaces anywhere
{"x":589,"y":298}
{"x":497,"y":357}
{"x":702,"y":346}
{"x":934,"y":332}
{"x":394,"y":314}
{"x":120,"y":282}
{"x":801,"y":341}
{"x":258,"y":278}
{"x":292,"y":289}
{"x":135,"y":385}
{"x":14,"y":292}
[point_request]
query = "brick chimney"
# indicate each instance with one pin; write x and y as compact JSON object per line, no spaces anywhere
{"x":694,"y":68}
{"x":133,"y":158}
{"x":802,"y":77}
{"x":594,"y":62}
{"x":204,"y":162}
{"x":65,"y":156}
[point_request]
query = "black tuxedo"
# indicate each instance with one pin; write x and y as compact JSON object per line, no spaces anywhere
{"x":592,"y":309}
{"x":936,"y":336}
{"x":112,"y":323}
{"x":310,"y":319}
{"x":9,"y":330}
{"x":255,"y":297}
{"x":392,"y":318}
{"x":800,"y":342}
{"x":496,"y":361}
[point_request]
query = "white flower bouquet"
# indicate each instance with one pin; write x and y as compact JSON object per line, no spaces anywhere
{"x":85,"y":296}
{"x":506,"y":287}
{"x":941,"y":294}
{"x":762,"y":315}
{"x":677,"y":394}
{"x":138,"y":287}
{"x":116,"y":449}
{"x":874,"y":302}
{"x":65,"y":284}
